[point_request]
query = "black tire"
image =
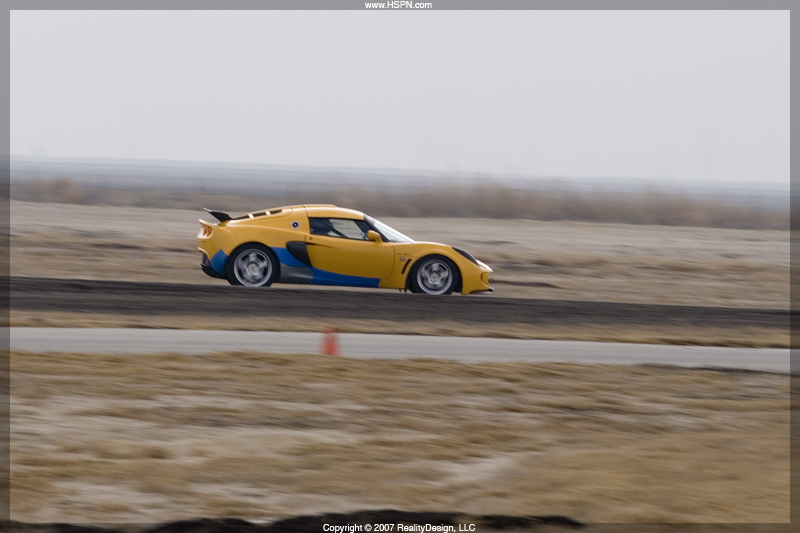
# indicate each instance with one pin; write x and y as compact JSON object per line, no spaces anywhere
{"x":252,"y":265}
{"x":434,"y":274}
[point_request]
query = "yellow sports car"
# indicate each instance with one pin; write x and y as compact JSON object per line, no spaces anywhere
{"x":329,"y":245}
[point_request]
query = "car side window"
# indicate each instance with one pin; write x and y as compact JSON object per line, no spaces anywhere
{"x":344,"y":228}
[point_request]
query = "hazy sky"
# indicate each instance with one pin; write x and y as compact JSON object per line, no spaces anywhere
{"x":639,"y":94}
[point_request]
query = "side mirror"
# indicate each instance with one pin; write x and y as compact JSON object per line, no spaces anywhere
{"x":374,"y":236}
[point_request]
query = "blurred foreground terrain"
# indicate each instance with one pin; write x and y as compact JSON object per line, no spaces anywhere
{"x":160,"y":437}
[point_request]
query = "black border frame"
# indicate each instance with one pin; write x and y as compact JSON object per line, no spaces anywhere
{"x":438,"y":5}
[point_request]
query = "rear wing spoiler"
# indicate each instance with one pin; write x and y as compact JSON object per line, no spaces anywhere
{"x":219,"y":215}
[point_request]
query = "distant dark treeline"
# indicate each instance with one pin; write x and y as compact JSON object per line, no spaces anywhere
{"x":457,"y":199}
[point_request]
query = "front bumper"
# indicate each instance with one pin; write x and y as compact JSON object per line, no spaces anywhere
{"x":479,"y":281}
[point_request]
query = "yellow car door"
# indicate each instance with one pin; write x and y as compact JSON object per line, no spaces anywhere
{"x":341,"y":246}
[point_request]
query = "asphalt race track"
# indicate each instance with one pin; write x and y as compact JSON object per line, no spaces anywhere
{"x":371,"y":346}
{"x":135,"y":298}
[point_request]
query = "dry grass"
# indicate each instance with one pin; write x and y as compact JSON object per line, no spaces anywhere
{"x":155,"y":437}
{"x":558,"y":260}
{"x":751,"y":337}
{"x":449,"y":198}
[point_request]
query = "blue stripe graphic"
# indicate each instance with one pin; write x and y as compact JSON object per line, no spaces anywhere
{"x":219,"y":261}
{"x":286,"y":257}
{"x":323,"y":277}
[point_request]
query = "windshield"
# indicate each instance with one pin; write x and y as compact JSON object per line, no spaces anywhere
{"x":389,"y":234}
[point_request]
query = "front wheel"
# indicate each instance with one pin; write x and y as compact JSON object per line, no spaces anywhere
{"x":434,"y":275}
{"x":252,"y":265}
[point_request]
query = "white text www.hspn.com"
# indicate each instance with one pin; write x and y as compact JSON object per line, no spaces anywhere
{"x":398,"y":4}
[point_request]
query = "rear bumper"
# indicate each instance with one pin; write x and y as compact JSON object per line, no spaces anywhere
{"x":205,"y":265}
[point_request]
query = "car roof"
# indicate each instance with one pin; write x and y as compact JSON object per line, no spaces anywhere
{"x":331,"y":211}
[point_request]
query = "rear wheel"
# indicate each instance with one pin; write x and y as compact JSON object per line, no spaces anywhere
{"x":434,"y":274}
{"x":252,"y":265}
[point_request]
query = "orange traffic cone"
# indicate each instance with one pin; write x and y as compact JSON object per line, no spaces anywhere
{"x":330,"y":344}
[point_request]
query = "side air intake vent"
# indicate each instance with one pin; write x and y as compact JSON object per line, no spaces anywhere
{"x":299,"y":251}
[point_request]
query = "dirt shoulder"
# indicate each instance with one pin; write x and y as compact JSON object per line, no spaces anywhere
{"x":748,"y":337}
{"x":77,"y":303}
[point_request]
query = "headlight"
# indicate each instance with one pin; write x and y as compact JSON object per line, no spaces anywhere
{"x":466,"y":254}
